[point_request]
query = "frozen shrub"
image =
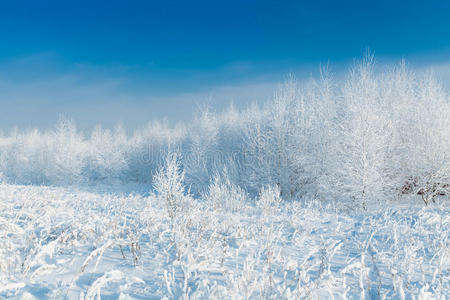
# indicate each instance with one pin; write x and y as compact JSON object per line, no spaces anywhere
{"x":269,"y":199}
{"x":222,"y":194}
{"x":169,"y":183}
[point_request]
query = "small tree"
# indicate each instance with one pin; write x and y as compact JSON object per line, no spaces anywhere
{"x":169,"y":183}
{"x":358,"y":163}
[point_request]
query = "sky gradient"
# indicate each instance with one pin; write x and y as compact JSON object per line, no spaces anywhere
{"x":131,"y":61}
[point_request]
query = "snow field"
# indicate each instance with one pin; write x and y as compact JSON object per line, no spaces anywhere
{"x":68,"y":243}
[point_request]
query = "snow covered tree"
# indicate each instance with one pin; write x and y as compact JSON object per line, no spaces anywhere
{"x":430,"y":150}
{"x":169,"y":183}
{"x":357,"y":172}
{"x":108,"y":150}
{"x":200,"y":158}
{"x":66,"y":155}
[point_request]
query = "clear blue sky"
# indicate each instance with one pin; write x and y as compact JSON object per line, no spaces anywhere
{"x":137,"y":60}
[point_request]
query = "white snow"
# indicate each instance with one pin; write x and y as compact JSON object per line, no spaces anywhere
{"x":64,"y":243}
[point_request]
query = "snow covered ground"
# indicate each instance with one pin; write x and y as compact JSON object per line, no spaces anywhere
{"x":84,"y":243}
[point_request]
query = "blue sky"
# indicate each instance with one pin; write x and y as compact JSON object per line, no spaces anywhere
{"x":131,"y":61}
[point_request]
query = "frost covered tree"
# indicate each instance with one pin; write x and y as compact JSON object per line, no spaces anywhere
{"x":147,"y":148}
{"x":66,"y":154}
{"x":275,"y":144}
{"x":201,"y":149}
{"x":430,"y":150}
{"x":108,"y":154}
{"x":169,"y":183}
{"x":357,"y":172}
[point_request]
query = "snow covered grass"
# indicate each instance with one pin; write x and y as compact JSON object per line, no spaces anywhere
{"x":68,"y":243}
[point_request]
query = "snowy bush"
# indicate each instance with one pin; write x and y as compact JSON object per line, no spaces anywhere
{"x":169,"y":184}
{"x":224,"y":195}
{"x":269,"y":199}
